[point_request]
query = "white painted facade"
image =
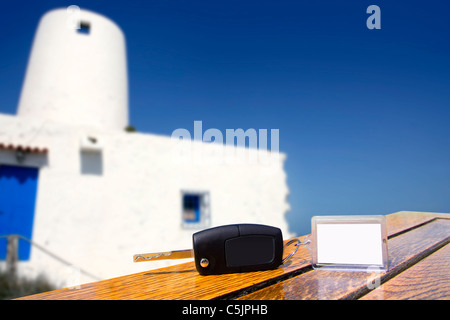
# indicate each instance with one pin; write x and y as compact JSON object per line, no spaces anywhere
{"x":104,"y":194}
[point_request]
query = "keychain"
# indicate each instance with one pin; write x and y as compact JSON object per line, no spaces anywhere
{"x":231,"y":249}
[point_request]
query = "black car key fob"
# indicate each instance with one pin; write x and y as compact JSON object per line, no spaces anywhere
{"x":237,"y":248}
{"x":230,"y":249}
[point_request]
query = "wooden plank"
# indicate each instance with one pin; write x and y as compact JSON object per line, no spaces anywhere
{"x":176,"y":282}
{"x":183,"y":282}
{"x":401,"y":221}
{"x":429,"y":279}
{"x":404,"y":250}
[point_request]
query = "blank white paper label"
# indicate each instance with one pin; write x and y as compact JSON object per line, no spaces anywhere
{"x":359,"y":244}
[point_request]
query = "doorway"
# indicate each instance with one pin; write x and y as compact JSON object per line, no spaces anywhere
{"x":18,"y":188}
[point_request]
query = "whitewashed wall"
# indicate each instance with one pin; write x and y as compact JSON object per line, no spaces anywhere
{"x":98,"y":222}
{"x":77,"y":78}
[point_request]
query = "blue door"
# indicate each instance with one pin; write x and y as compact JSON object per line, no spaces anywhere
{"x":18,"y":187}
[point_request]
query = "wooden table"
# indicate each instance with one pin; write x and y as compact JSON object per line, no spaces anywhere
{"x":419,"y":268}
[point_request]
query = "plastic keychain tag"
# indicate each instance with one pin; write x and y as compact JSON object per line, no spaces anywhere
{"x":357,"y":243}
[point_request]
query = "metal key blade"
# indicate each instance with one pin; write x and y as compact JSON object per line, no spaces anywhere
{"x":168,"y":255}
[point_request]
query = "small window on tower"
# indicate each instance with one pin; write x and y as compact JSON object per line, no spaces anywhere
{"x":84,"y":28}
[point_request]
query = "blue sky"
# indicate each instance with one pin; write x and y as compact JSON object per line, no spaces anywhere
{"x":363,"y":114}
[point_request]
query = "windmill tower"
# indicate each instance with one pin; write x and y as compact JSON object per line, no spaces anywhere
{"x":77,"y":71}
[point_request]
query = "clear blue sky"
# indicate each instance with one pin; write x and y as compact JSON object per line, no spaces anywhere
{"x":363,"y":114}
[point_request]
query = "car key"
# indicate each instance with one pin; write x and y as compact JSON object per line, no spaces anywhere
{"x":230,"y":249}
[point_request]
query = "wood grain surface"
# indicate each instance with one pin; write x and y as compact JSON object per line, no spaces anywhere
{"x":413,"y":236}
{"x":428,"y":279}
{"x":404,"y":250}
{"x":177,"y":282}
{"x":403,"y":220}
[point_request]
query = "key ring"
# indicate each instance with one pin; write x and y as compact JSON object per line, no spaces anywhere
{"x":297,"y":241}
{"x":297,"y":244}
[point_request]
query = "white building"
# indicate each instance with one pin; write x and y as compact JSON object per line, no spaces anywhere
{"x":76,"y":183}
